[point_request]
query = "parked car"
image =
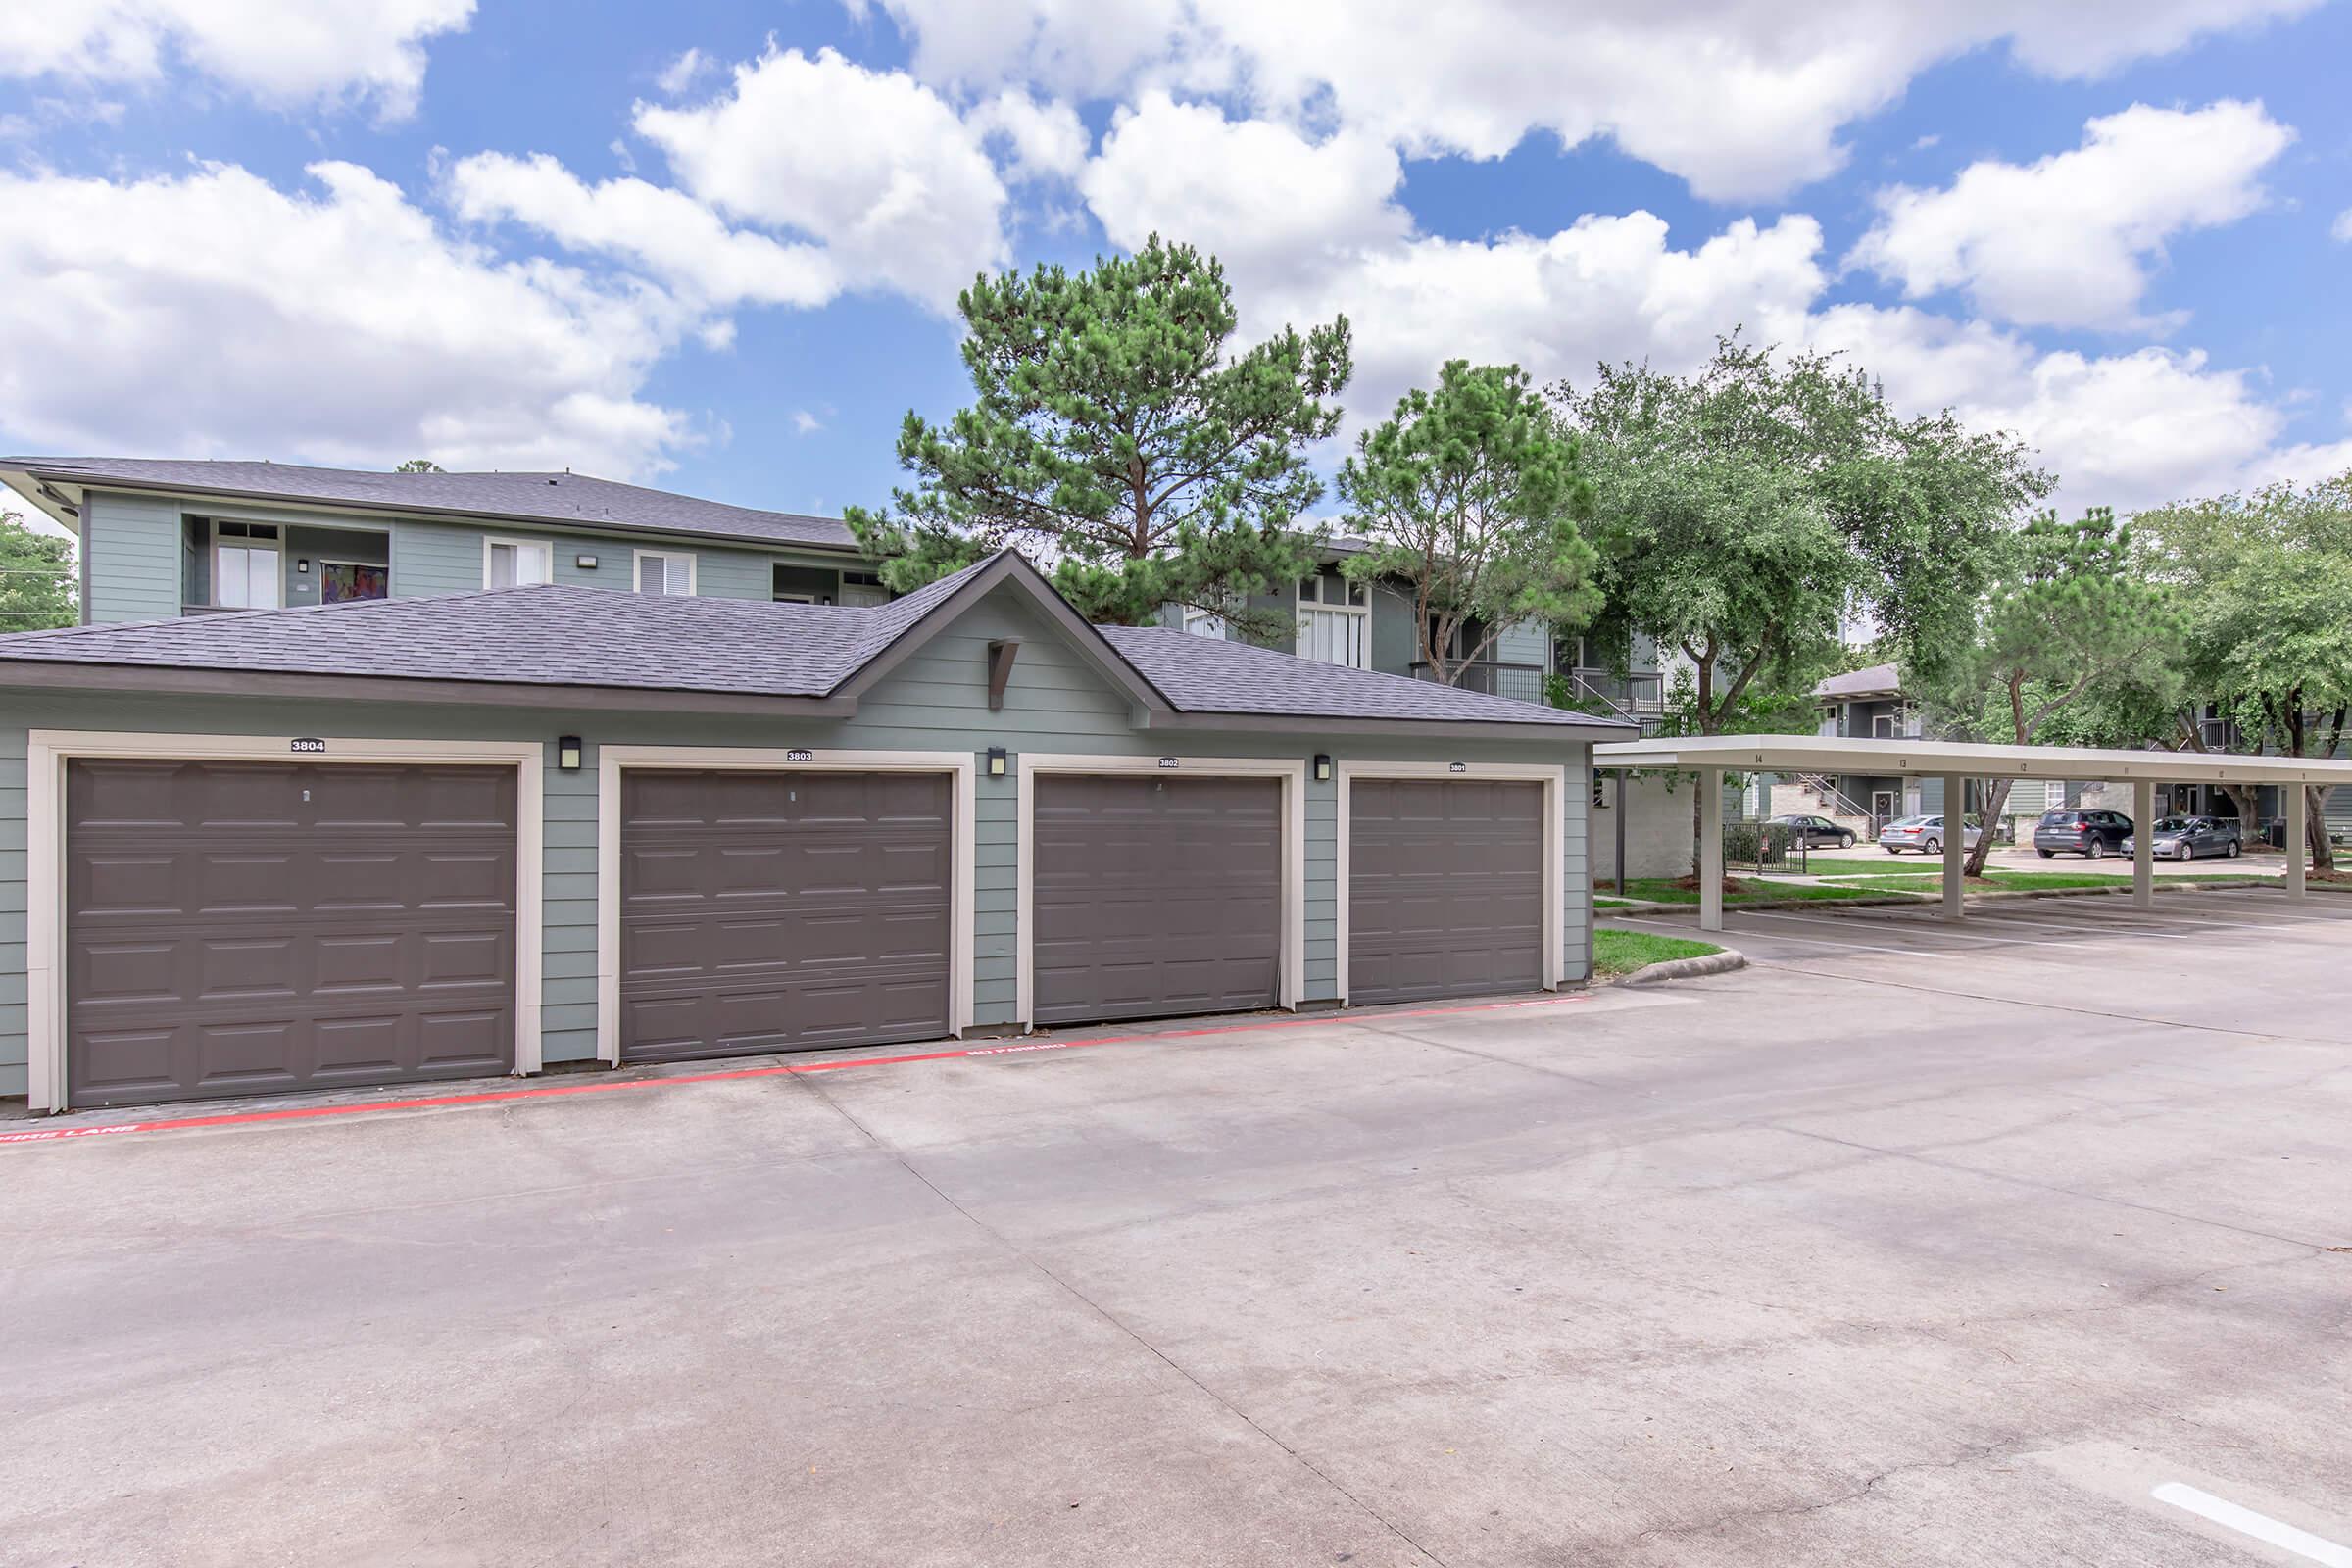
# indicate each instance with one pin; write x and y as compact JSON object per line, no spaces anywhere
{"x":2080,"y":831}
{"x":2188,"y":838}
{"x":1816,"y":832}
{"x":1922,"y":833}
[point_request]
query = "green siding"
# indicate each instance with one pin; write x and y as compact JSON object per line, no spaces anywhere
{"x":1524,"y":642}
{"x":445,"y":558}
{"x":1396,"y":643}
{"x":936,"y":701}
{"x":134,"y":547}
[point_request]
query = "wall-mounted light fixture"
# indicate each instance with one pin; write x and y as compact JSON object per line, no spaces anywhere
{"x":585,"y":562}
{"x":302,"y":565}
{"x":568,"y":752}
{"x":995,"y":762}
{"x":1322,"y":769}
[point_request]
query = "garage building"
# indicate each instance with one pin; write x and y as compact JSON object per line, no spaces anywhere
{"x":421,"y":839}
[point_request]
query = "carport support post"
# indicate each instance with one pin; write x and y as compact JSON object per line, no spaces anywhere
{"x":2298,"y":829}
{"x":1710,"y":848}
{"x":2144,"y":843}
{"x":1955,"y":843}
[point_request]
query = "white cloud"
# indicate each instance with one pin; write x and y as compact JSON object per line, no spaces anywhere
{"x":806,"y":423}
{"x":1046,"y":141}
{"x":287,"y":53}
{"x":683,"y":73}
{"x":2067,"y":241}
{"x":1309,"y":230}
{"x":216,"y":315}
{"x":2342,"y":227}
{"x":1261,"y":197}
{"x":872,"y":165}
{"x":665,"y":232}
{"x":1739,"y":97}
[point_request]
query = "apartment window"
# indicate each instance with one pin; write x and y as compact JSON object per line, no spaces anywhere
{"x":246,"y":569}
{"x":515,"y":563}
{"x":862,"y":588}
{"x":1335,"y":620}
{"x":1204,"y":624}
{"x":344,"y":582}
{"x":661,"y":571}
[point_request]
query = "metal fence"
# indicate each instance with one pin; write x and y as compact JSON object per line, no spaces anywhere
{"x":1764,"y":847}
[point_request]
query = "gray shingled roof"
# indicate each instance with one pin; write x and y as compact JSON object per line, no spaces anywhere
{"x":1213,"y":675}
{"x":573,"y":499}
{"x":562,"y":636}
{"x":1875,"y":678}
{"x":539,"y":635}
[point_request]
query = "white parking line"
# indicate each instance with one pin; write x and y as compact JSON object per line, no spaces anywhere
{"x":1901,"y":922}
{"x":2002,"y":917}
{"x":1687,"y":928}
{"x":2213,"y":922}
{"x":2262,"y":1527}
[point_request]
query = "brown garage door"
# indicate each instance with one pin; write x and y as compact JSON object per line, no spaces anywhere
{"x":1446,"y":889}
{"x":782,"y":912}
{"x":1155,"y":896}
{"x":243,"y":928}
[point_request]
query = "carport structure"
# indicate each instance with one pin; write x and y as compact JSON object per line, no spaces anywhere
{"x":1711,"y":757}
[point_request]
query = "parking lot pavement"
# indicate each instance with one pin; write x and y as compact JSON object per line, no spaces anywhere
{"x":2247,"y":958}
{"x":1905,"y":1246}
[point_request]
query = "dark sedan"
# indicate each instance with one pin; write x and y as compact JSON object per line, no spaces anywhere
{"x":1816,"y":832}
{"x":2091,"y":834}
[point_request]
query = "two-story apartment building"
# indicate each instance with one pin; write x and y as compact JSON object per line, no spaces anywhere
{"x":164,"y":538}
{"x":361,"y":778}
{"x":1372,"y":626}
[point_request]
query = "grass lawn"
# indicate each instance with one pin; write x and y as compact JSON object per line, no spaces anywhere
{"x":1612,"y":904}
{"x":1663,"y":890}
{"x":1620,"y":952}
{"x":1908,"y":881}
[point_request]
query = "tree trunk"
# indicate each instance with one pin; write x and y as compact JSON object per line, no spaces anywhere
{"x":2315,"y":826}
{"x":1996,"y":796}
{"x":2249,"y":806}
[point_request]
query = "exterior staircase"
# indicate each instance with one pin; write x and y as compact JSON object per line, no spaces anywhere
{"x":1818,"y":795}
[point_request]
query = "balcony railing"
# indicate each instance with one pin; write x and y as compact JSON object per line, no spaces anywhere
{"x":1524,"y":683}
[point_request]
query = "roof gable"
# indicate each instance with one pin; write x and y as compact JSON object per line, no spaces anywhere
{"x":518,"y":640}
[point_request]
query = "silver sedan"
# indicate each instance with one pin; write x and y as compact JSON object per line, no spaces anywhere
{"x":1922,"y":833}
{"x":2190,"y":838}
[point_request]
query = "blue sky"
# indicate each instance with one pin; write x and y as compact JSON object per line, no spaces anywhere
{"x":715,"y":247}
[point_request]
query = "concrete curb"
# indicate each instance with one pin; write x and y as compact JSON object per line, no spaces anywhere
{"x":1723,"y":962}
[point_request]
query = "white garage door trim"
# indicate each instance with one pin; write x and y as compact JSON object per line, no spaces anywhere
{"x":1292,"y":776}
{"x":1552,"y":777}
{"x":49,"y":751}
{"x":613,"y":760}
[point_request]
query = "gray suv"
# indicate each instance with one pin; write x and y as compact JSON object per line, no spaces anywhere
{"x":2091,"y":834}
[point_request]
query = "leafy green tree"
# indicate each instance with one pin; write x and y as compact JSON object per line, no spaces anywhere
{"x":2266,"y":579}
{"x":1471,"y":494}
{"x":2069,"y":617}
{"x":38,"y":586}
{"x":1116,"y":433}
{"x":1746,"y":513}
{"x":421,"y":465}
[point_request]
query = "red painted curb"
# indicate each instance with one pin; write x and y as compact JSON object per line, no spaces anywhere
{"x":1013,"y":1047}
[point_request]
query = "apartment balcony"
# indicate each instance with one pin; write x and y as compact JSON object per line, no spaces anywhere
{"x":1525,"y":682}
{"x":1641,"y":692}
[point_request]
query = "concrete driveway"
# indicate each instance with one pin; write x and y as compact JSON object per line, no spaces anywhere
{"x":2030,"y":1252}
